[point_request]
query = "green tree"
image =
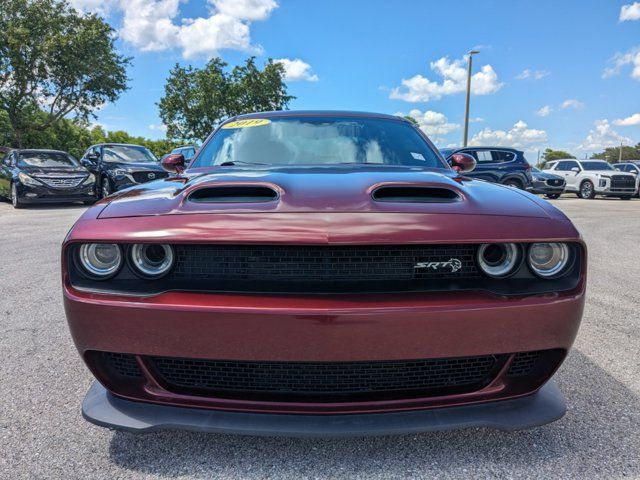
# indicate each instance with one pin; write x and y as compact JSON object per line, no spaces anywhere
{"x":612,"y":154}
{"x":412,"y":120}
{"x":550,"y":154}
{"x":55,"y":59}
{"x":196,"y":100}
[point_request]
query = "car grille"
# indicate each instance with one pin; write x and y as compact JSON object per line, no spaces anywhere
{"x":523,"y":363}
{"x":622,"y":181}
{"x":324,"y":263}
{"x":123,"y":364}
{"x":555,"y":182}
{"x":318,"y":381}
{"x":62,"y":182}
{"x":148,"y":176}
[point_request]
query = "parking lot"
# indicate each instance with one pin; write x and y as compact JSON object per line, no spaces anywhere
{"x":43,"y":381}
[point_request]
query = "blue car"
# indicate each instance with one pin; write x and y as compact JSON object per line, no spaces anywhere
{"x":498,"y":165}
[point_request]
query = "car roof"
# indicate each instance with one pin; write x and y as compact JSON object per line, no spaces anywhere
{"x":475,"y":147}
{"x":320,"y":113}
{"x":120,"y":145}
{"x":47,"y":150}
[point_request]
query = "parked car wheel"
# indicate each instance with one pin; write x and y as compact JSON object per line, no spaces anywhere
{"x":552,"y":196}
{"x":625,"y":198}
{"x":587,"y":191}
{"x":15,"y":199}
{"x":105,"y":187}
{"x":513,"y":183}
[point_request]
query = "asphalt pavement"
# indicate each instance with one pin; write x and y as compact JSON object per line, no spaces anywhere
{"x":43,"y":381}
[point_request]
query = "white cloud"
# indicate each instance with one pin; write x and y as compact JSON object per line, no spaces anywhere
{"x":544,"y":111}
{"x":629,"y":121}
{"x":101,"y":7}
{"x":572,"y":103}
{"x":297,"y":70}
{"x":454,"y":78}
{"x":158,"y":128}
{"x":602,"y":136}
{"x":476,"y":120}
{"x":251,"y":10}
{"x":630,"y":12}
{"x":533,"y":74}
{"x":621,"y":60}
{"x":432,"y":123}
{"x":518,"y":136}
{"x":156,"y":25}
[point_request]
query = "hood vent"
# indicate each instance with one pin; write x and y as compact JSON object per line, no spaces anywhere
{"x":234,"y":194}
{"x":415,"y":194}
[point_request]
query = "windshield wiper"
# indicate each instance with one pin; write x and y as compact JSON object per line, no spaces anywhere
{"x":231,"y":163}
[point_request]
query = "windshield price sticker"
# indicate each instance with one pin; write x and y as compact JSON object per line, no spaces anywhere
{"x":252,"y":122}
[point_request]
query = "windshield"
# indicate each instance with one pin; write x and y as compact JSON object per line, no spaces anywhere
{"x":535,"y":170}
{"x":127,"y":154}
{"x":317,"y":141}
{"x":46,"y":159}
{"x":446,"y":152}
{"x":596,"y":166}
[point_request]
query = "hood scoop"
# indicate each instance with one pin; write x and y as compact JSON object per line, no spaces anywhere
{"x":415,"y":194}
{"x":234,"y":194}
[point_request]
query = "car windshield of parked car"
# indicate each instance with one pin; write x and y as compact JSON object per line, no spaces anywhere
{"x":127,"y":154}
{"x":596,"y":166}
{"x":299,"y":141}
{"x":46,"y":159}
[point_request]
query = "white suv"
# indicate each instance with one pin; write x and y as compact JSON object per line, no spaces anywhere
{"x":589,"y":178}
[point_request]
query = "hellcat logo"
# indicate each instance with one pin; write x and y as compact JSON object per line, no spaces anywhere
{"x":450,"y":266}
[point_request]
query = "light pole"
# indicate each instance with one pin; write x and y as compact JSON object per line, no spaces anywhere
{"x":466,"y":108}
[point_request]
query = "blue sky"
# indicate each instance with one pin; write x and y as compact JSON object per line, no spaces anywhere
{"x":561,"y":74}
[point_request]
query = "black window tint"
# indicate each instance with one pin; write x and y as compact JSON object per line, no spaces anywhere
{"x":500,"y":156}
{"x":566,"y":166}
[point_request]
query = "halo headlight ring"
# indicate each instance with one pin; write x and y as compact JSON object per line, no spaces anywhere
{"x":99,"y":261}
{"x":151,"y":260}
{"x":549,"y":260}
{"x":499,"y":260}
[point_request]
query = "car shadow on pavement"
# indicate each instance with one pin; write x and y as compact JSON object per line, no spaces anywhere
{"x":600,"y":433}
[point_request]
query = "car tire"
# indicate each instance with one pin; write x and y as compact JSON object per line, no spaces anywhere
{"x":513,"y":183}
{"x":587,"y":190}
{"x":105,"y":188}
{"x":552,"y":196}
{"x":15,"y":199}
{"x":628,"y":197}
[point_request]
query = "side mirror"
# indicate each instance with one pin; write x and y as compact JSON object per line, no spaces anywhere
{"x":174,"y":163}
{"x":462,"y":162}
{"x":575,"y":169}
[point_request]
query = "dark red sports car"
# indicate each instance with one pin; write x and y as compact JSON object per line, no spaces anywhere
{"x":322,"y":273}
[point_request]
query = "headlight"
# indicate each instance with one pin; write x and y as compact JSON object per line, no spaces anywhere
{"x":498,"y":259}
{"x":548,"y":260}
{"x":152,"y":260}
{"x":27,"y":180}
{"x":90,"y":179}
{"x":100,"y":260}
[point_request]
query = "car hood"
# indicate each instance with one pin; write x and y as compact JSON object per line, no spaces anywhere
{"x":545,"y":176}
{"x":323,"y":189}
{"x":132,"y":166}
{"x":608,"y":173}
{"x":53,"y":171}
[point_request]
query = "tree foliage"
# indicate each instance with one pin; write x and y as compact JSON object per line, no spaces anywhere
{"x":550,"y":154}
{"x":612,"y":154}
{"x":57,"y":62}
{"x":196,"y":100}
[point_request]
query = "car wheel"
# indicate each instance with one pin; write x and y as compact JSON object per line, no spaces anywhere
{"x":586,"y":190}
{"x":15,"y":199}
{"x":625,"y":198}
{"x":513,"y":183}
{"x":552,"y":196}
{"x":105,"y":187}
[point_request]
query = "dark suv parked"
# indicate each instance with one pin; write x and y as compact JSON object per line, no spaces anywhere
{"x":117,"y":166}
{"x":498,"y":165}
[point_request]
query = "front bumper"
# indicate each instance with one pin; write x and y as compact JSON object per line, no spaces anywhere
{"x":106,"y":410}
{"x":542,"y":188}
{"x":44,"y":194}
